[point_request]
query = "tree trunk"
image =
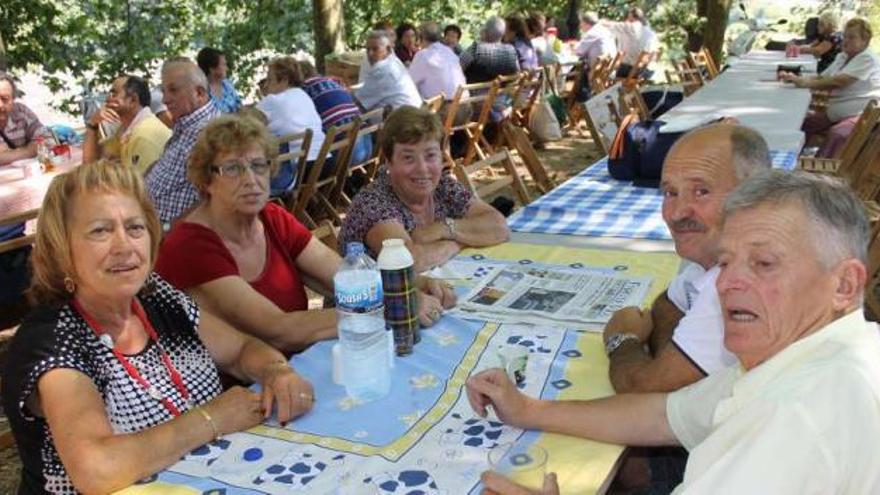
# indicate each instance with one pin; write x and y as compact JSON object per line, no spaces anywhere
{"x":572,"y":20}
{"x":329,"y":29}
{"x":4,"y":64}
{"x":717,"y":12}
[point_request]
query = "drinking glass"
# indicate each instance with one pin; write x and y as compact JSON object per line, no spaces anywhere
{"x":522,"y":464}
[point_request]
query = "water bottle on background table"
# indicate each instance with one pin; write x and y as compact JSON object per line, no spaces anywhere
{"x":362,"y":335}
{"x":401,"y":303}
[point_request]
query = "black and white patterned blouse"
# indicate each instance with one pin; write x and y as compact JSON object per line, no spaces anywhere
{"x":53,"y":338}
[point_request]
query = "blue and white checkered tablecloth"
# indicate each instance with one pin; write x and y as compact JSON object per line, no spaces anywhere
{"x":594,"y":204}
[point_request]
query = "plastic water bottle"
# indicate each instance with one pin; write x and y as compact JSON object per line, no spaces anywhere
{"x":401,"y":298}
{"x":365,"y":354}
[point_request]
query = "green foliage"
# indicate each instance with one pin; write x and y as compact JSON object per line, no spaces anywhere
{"x":89,"y":42}
{"x":76,"y":42}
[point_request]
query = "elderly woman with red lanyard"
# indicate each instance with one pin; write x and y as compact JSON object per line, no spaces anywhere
{"x":114,"y":375}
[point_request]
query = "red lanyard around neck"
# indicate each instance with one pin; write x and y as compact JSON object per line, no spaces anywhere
{"x":131,"y":370}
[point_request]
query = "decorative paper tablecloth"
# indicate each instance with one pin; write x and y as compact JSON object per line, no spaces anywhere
{"x":423,"y":437}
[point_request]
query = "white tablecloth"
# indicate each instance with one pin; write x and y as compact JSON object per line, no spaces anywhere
{"x":748,"y":90}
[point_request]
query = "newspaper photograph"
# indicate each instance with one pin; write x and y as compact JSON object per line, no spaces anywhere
{"x":529,"y":295}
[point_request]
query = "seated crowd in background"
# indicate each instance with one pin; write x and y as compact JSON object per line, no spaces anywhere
{"x":758,"y":342}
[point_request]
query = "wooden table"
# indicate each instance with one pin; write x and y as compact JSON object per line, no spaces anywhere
{"x":23,"y":186}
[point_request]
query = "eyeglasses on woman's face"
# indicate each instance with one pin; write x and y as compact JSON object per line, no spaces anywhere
{"x":235,"y":169}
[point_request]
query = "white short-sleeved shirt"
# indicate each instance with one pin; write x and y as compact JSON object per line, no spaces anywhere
{"x":806,"y":421}
{"x":436,"y":69}
{"x":699,"y":335}
{"x":851,"y":100}
{"x":292,"y":111}
{"x":387,"y":82}
{"x":682,"y":290}
{"x":597,"y":42}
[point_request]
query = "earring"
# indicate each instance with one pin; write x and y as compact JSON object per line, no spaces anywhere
{"x":69,"y":285}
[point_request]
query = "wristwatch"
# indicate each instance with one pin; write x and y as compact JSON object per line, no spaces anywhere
{"x":618,"y":340}
{"x":450,"y":226}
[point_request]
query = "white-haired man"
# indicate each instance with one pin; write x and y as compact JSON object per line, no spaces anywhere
{"x":386,"y":82}
{"x":596,"y":41}
{"x":185,"y":94}
{"x":685,"y":327}
{"x":489,"y":58}
{"x":800,"y":412}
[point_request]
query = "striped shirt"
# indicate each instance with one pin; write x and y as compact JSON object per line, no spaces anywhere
{"x":167,"y":184}
{"x":22,"y":126}
{"x":333,"y":101}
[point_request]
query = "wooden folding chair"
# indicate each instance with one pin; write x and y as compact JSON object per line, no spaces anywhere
{"x":632,"y":102}
{"x":479,"y":95}
{"x":845,"y":165}
{"x":12,"y":220}
{"x":313,"y":188}
{"x":571,"y":88}
{"x":326,"y":233}
{"x":299,"y":156}
{"x":434,"y":103}
{"x":689,"y":79}
{"x":599,"y":74}
{"x":634,"y":79}
{"x":517,"y":139}
{"x":611,"y":73}
{"x":530,"y":89}
{"x":872,"y":284}
{"x":867,"y":183}
{"x":465,"y":174}
{"x":703,"y":61}
{"x":370,"y":125}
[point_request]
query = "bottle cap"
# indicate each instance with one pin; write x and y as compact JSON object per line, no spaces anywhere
{"x":392,"y":243}
{"x":354,"y":248}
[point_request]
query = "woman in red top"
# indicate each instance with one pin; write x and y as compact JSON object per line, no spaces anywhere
{"x":246,"y":259}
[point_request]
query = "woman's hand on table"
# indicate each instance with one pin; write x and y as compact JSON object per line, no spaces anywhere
{"x":496,"y":484}
{"x":441,"y":290}
{"x":492,"y":387}
{"x":293,"y":394}
{"x":430,"y":309}
{"x":234,"y":410}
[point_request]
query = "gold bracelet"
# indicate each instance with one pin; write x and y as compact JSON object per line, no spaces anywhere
{"x":210,"y":421}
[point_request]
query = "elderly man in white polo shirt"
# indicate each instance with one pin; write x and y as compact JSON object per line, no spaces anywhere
{"x":386,"y":82}
{"x":800,"y":412}
{"x":685,"y":327}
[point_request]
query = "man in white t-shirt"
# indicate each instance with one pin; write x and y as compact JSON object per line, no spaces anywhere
{"x":684,"y":326}
{"x":800,"y":412}
{"x":386,"y":82}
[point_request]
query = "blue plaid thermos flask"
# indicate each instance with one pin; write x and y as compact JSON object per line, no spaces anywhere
{"x":398,"y":287}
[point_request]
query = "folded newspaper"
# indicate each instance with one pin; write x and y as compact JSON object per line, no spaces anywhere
{"x":523,"y":294}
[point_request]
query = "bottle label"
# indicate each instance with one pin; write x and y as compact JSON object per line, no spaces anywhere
{"x":360,"y":298}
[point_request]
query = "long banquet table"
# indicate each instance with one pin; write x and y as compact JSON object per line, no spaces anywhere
{"x":423,"y":437}
{"x":594,"y":210}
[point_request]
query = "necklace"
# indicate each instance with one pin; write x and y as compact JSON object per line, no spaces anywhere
{"x":151,"y":389}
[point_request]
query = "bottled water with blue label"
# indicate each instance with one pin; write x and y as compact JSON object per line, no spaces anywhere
{"x":365,"y":352}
